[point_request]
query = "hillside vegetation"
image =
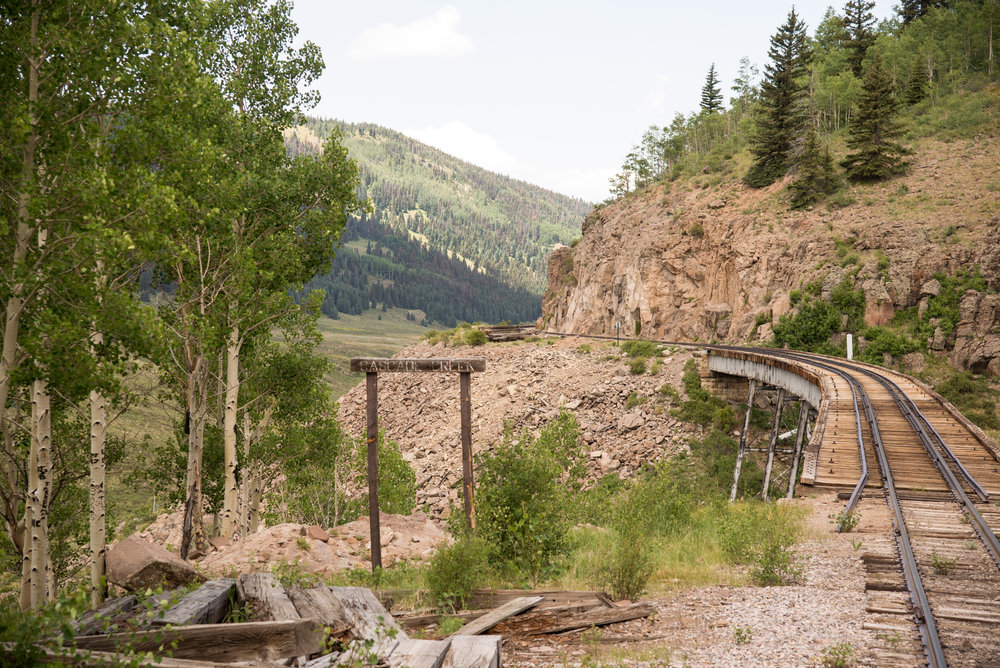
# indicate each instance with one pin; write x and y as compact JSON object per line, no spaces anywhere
{"x":496,"y":226}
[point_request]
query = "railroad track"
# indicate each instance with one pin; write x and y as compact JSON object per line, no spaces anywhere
{"x":934,"y":580}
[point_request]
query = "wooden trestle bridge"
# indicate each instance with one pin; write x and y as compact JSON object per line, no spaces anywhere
{"x":884,"y":439}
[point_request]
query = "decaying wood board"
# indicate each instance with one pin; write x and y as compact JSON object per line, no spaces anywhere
{"x":221,"y":642}
{"x":494,"y":598}
{"x":355,"y":608}
{"x":419,"y":654}
{"x":416,"y":621}
{"x":92,"y":620}
{"x":588,"y":619}
{"x":205,"y":605}
{"x":267,"y":599}
{"x":491,"y":619}
{"x":473,"y":652}
{"x":87,"y":658}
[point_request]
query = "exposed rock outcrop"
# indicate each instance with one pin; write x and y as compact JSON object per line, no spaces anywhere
{"x":674,"y":264}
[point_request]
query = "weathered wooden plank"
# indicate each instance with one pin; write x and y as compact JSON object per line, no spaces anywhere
{"x":491,"y":619}
{"x":266,"y":598}
{"x":249,"y":641}
{"x":400,"y":364}
{"x":602,"y":617}
{"x":205,"y":605}
{"x":474,"y":652}
{"x":87,"y":658}
{"x":419,"y":654}
{"x":92,"y":620}
{"x":355,"y":608}
{"x":493,"y":598}
{"x":416,"y":621}
{"x":362,"y":611}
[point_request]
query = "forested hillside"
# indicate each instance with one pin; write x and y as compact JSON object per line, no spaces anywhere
{"x":502,"y":225}
{"x":381,"y":266}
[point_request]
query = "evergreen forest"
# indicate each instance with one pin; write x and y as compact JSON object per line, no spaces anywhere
{"x":852,"y":94}
{"x":498,"y":224}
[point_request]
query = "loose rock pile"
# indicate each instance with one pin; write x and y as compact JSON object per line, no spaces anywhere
{"x":524,"y":385}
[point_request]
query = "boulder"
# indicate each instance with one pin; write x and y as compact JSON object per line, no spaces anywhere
{"x":930,"y":288}
{"x":135,"y":564}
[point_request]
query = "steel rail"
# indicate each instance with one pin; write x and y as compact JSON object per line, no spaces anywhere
{"x":924,"y":616}
{"x":926,"y":624}
{"x":978,"y":522}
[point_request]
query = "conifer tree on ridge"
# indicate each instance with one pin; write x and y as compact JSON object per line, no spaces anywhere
{"x":711,"y":94}
{"x":872,"y":134}
{"x":782,"y":118}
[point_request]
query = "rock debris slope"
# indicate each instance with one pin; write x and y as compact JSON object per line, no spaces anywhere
{"x":524,"y":385}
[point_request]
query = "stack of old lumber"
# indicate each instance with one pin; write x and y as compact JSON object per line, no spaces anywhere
{"x":254,"y":620}
{"x":509,"y":332}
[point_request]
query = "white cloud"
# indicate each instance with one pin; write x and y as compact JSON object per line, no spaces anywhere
{"x":434,"y":36}
{"x":588,"y":184}
{"x":655,"y":98}
{"x":463,"y":142}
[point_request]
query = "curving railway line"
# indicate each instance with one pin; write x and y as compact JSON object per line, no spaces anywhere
{"x":934,"y":570}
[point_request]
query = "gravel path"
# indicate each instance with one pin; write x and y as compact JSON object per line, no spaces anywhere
{"x":740,"y":626}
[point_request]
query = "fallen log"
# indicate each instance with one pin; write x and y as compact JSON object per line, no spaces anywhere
{"x":250,"y":641}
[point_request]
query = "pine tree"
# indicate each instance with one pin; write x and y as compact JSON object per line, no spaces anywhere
{"x":782,"y":114}
{"x":911,"y":10}
{"x":711,"y":94}
{"x":916,"y":87}
{"x":816,"y":176}
{"x":858,"y":24}
{"x":872,"y":133}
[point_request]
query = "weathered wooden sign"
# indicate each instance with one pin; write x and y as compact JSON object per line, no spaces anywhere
{"x":446,"y":364}
{"x":372,"y":366}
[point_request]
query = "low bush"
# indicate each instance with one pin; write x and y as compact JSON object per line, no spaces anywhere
{"x":641,"y":349}
{"x":456,"y":571}
{"x":525,"y":487}
{"x":637,"y":366}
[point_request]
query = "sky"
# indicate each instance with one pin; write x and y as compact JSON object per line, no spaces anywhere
{"x":553,"y":93}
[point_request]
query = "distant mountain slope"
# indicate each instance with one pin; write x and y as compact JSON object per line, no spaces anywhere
{"x":495,"y":222}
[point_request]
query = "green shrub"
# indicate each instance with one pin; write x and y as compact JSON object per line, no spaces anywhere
{"x":635,"y":399}
{"x":761,"y":537}
{"x":637,"y":366}
{"x":626,"y":571}
{"x":456,"y":571}
{"x":701,"y":407}
{"x":945,"y":304}
{"x":972,"y":395}
{"x":397,"y":482}
{"x":475,"y":337}
{"x":815,"y":320}
{"x":881,"y":340}
{"x":644,"y":349}
{"x":525,"y":488}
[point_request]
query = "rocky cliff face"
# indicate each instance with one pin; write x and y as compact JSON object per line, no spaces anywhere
{"x":717,"y":264}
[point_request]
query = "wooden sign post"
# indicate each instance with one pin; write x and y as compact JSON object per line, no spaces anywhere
{"x":464,"y":366}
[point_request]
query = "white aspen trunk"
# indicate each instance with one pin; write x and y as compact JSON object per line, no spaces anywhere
{"x":98,"y":529}
{"x":196,"y":407}
{"x":15,"y":304}
{"x":229,"y":432}
{"x":40,"y":491}
{"x":256,"y":491}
